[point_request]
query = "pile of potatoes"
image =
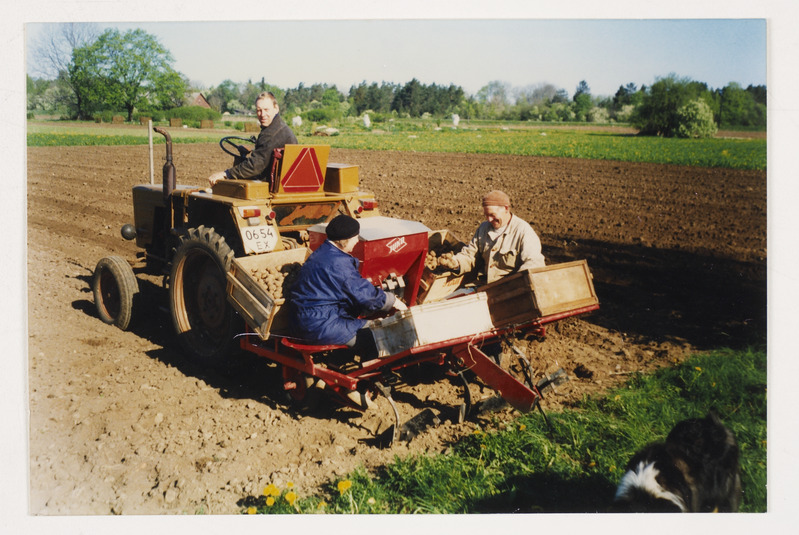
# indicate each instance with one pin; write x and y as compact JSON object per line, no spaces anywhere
{"x":277,"y":279}
{"x":443,"y":256}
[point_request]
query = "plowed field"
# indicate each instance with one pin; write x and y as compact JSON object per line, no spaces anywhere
{"x":122,"y":423}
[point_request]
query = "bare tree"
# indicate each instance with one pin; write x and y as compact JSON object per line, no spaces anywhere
{"x":51,"y":52}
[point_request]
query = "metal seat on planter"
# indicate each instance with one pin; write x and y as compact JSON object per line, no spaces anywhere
{"x":307,"y":349}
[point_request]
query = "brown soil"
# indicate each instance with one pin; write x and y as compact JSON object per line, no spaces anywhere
{"x":121,"y":422}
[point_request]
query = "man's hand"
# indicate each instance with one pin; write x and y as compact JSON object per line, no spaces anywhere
{"x":447,"y":263}
{"x":216,"y":177}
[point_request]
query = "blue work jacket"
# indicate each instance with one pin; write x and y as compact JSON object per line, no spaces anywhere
{"x":330,"y":294}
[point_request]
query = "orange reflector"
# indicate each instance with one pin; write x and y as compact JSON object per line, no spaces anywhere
{"x":247,"y":213}
{"x":369,"y":204}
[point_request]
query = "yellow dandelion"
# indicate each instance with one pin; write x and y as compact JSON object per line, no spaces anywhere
{"x":289,"y":485}
{"x":291,"y":497}
{"x":251,"y":510}
{"x":522,"y":427}
{"x":270,"y":501}
{"x":271,"y":490}
{"x":477,"y":432}
{"x":482,"y":446}
{"x":322,"y":504}
{"x":612,"y":468}
{"x":697,"y":368}
{"x":592,"y":464}
{"x":344,"y":486}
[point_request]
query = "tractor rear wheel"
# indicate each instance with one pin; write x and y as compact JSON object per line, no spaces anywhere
{"x":204,"y":320}
{"x":113,"y":286}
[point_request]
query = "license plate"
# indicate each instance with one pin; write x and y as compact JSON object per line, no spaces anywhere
{"x":260,"y":239}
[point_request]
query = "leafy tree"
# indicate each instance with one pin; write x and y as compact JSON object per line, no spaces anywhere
{"x":658,"y":112}
{"x":738,"y":107}
{"x":409,"y":99}
{"x":494,"y":98}
{"x":220,"y":96}
{"x":125,"y":70}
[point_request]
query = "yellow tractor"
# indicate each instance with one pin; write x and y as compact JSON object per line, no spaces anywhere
{"x":192,"y":234}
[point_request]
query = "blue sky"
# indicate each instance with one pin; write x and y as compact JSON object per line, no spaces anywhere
{"x":467,"y":53}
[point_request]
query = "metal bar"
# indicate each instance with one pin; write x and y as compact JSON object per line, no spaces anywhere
{"x":514,"y":392}
{"x":304,"y":365}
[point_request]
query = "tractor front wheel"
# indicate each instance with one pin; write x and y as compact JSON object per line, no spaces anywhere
{"x":113,"y":286}
{"x":204,"y":321}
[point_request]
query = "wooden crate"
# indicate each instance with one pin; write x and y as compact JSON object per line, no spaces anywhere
{"x":242,"y":189}
{"x":431,"y":323}
{"x":436,"y":286}
{"x":341,"y":178}
{"x":250,"y":298}
{"x":528,"y":295}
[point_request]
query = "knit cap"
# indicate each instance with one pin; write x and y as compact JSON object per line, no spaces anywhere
{"x":496,"y":198}
{"x":342,"y":227}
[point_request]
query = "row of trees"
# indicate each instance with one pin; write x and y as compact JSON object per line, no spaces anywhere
{"x":132,"y":71}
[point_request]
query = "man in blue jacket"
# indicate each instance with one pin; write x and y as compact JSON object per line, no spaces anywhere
{"x":330,"y":297}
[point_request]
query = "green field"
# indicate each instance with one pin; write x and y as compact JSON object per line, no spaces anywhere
{"x":572,"y":466}
{"x":528,"y":141}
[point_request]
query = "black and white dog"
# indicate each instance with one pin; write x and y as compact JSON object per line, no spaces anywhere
{"x":695,"y":470}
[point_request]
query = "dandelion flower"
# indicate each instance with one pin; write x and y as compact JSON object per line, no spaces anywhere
{"x":271,"y":490}
{"x":291,"y":497}
{"x":289,"y":485}
{"x":522,"y":427}
{"x":344,"y":486}
{"x":270,"y":501}
{"x":322,"y":504}
{"x":251,"y":510}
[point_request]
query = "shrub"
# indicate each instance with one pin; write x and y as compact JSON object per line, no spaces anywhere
{"x":318,"y":115}
{"x":695,"y":120}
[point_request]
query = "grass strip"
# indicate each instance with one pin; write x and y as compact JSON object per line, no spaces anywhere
{"x":572,"y":467}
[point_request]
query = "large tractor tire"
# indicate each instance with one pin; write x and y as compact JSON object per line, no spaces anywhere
{"x":204,"y":320}
{"x":114,"y":285}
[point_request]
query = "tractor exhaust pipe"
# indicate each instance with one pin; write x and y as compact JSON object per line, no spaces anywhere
{"x":169,"y":179}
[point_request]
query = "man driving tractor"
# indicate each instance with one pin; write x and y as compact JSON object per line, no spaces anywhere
{"x":275,"y":134}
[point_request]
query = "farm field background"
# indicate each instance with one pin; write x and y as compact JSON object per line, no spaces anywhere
{"x":144,"y":431}
{"x":738,"y":150}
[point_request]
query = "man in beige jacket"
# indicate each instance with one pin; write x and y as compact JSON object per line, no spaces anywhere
{"x":503,"y":243}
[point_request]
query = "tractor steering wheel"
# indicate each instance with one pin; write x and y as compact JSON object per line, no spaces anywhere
{"x":228,"y":146}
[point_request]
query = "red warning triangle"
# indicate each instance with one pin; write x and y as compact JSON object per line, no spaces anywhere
{"x":305,"y":175}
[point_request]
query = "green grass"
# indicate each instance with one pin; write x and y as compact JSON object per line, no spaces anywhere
{"x":528,"y":141}
{"x":524,"y":466}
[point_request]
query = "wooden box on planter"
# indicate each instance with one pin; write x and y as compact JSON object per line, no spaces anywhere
{"x":252,"y":299}
{"x":528,"y":295}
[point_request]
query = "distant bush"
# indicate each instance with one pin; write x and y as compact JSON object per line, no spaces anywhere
{"x":695,"y":120}
{"x":318,"y":115}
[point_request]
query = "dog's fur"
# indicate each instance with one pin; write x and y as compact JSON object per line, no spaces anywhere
{"x":695,"y":470}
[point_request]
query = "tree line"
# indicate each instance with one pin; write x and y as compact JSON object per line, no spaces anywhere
{"x":92,"y":73}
